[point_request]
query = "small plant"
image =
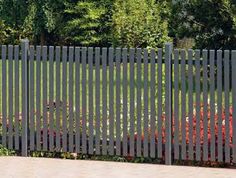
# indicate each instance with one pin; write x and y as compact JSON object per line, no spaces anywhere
{"x":5,"y":152}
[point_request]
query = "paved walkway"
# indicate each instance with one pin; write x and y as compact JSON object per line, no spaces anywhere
{"x":18,"y":167}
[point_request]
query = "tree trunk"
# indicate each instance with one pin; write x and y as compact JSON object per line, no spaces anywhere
{"x":42,"y":38}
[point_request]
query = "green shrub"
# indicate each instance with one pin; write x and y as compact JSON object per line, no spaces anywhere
{"x":5,"y":152}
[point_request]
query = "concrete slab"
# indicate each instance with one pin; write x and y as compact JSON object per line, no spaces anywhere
{"x":19,"y":167}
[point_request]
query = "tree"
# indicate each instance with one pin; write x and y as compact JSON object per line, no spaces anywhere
{"x":44,"y":19}
{"x":88,"y":23}
{"x":212,"y":23}
{"x":4,"y":32}
{"x":13,"y":14}
{"x":140,"y":23}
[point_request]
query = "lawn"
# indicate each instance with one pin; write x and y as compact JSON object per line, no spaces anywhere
{"x":103,"y":87}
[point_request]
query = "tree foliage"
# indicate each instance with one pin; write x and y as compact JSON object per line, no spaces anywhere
{"x":129,"y":23}
{"x":88,"y":23}
{"x":212,"y":23}
{"x":140,"y":23}
{"x":12,"y":16}
{"x":3,"y":32}
{"x":13,"y":12}
{"x":44,"y":19}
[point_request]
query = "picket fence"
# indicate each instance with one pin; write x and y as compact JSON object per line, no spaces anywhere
{"x":155,"y":103}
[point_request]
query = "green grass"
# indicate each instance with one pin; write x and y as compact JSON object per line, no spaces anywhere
{"x":101,"y":88}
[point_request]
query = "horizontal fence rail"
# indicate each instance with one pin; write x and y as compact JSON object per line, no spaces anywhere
{"x":167,"y":104}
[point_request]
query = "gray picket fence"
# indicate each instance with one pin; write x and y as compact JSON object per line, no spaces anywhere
{"x":154,"y":103}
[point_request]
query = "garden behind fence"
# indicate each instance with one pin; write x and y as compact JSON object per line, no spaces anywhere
{"x":154,"y":103}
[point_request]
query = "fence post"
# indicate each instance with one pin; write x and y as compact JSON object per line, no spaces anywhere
{"x":233,"y":59}
{"x":168,"y":103}
{"x":25,"y":97}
